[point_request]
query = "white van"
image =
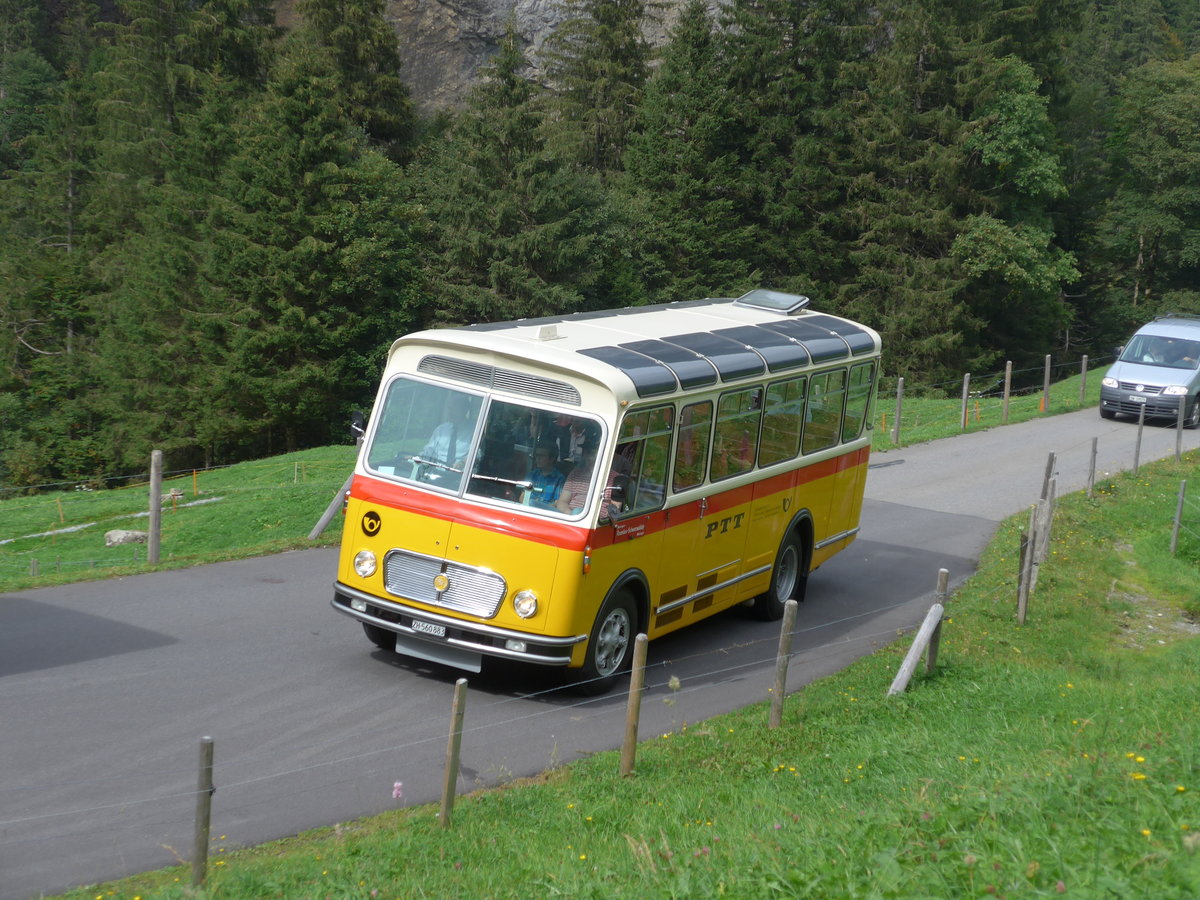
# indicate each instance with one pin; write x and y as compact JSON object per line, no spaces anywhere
{"x":1157,"y":371}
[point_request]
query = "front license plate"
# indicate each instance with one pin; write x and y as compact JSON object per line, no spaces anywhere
{"x":1134,"y":398}
{"x":428,"y":628}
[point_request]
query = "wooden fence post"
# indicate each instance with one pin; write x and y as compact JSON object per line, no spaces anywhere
{"x":1046,"y":386}
{"x":1051,"y":462}
{"x":453,"y":746}
{"x":633,"y":708}
{"x":1137,"y":446}
{"x":204,"y":793}
{"x":1083,"y":364}
{"x":899,"y":405}
{"x":1179,"y":428}
{"x":935,"y":640}
{"x":1091,"y":481}
{"x":1007,"y":391}
{"x":933,"y":619}
{"x":781,"y":663}
{"x":1178,"y":515}
{"x":155,"y":535}
{"x":1023,"y":578}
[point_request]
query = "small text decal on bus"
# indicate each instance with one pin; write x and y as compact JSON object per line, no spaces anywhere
{"x":724,"y":525}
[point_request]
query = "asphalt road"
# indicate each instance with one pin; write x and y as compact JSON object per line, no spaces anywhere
{"x":106,"y":689}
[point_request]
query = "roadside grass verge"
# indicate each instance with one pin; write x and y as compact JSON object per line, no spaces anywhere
{"x":1057,"y":758}
{"x":271,"y":505}
{"x":249,"y":509}
{"x":927,"y":418}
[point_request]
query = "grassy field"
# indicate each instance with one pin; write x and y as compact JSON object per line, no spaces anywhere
{"x":1061,"y":757}
{"x":244,"y":510}
{"x":271,"y":505}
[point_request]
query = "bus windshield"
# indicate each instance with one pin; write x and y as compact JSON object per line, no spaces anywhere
{"x":497,"y":450}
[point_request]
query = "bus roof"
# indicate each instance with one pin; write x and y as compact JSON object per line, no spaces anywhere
{"x":665,"y":348}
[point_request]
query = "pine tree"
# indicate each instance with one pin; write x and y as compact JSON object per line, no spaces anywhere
{"x":46,"y":328}
{"x":681,"y":167}
{"x":950,"y":173}
{"x":517,"y":231}
{"x":312,"y":251}
{"x":1150,"y":231}
{"x":597,"y":63}
{"x":784,"y":61}
{"x":365,"y":79}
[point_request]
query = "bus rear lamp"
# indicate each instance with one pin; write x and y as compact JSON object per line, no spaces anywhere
{"x":364,"y":563}
{"x":525,"y":604}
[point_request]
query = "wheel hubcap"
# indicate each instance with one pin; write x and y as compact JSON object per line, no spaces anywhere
{"x":785,"y":582}
{"x":612,"y":642}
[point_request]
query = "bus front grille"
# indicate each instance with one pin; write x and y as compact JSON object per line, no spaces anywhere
{"x":471,"y":590}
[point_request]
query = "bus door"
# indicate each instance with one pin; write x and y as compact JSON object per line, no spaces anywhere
{"x":704,"y":550}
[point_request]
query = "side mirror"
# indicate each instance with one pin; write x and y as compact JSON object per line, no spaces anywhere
{"x":358,"y":425}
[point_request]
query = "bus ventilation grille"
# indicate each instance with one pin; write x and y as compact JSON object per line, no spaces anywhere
{"x":485,"y":376}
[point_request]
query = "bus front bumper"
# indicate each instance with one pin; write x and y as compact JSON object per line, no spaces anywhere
{"x":447,"y":640}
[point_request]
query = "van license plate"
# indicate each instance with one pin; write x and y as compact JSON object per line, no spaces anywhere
{"x":428,"y":628}
{"x":1134,"y":398}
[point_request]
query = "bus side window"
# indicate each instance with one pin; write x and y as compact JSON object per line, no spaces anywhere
{"x":691,"y":449}
{"x":637,"y":480}
{"x":736,"y":443}
{"x":782,"y":420}
{"x":823,"y":420}
{"x":858,"y":400}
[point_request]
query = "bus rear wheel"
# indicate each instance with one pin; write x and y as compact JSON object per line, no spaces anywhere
{"x":610,"y":645}
{"x":789,"y":579}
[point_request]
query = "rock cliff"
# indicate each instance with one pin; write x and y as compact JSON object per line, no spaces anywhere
{"x":444,"y":42}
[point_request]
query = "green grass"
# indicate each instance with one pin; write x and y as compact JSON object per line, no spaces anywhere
{"x":927,"y":418}
{"x":245,"y":510}
{"x":1058,"y":757}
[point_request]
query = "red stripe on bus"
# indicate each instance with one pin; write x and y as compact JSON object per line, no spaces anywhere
{"x":639,"y":526}
{"x":452,"y":509}
{"x":574,"y":537}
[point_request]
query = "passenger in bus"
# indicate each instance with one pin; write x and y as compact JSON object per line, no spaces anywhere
{"x":451,"y":441}
{"x":547,"y":481}
{"x":573,"y":496}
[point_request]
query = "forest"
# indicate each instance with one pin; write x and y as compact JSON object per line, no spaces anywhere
{"x":211,"y":229}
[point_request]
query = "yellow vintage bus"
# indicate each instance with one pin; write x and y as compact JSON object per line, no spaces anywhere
{"x":543,"y":490}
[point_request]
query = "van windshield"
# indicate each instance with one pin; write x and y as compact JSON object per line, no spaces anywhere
{"x":498,"y":450}
{"x":1160,"y":350}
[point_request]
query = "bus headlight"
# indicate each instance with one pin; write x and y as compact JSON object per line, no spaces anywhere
{"x":1109,"y":382}
{"x":364,"y":563}
{"x":525,"y":604}
{"x":1176,"y":389}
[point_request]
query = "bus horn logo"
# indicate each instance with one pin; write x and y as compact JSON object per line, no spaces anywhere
{"x":441,"y":582}
{"x":371,"y":523}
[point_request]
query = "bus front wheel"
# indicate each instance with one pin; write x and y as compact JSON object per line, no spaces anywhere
{"x":380,"y":637}
{"x":789,"y":578}
{"x":610,"y":645}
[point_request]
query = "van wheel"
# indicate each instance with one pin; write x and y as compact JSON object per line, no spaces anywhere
{"x":380,"y":637}
{"x":1194,"y":419}
{"x":1107,"y":413}
{"x":610,"y":645}
{"x":789,"y":580}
